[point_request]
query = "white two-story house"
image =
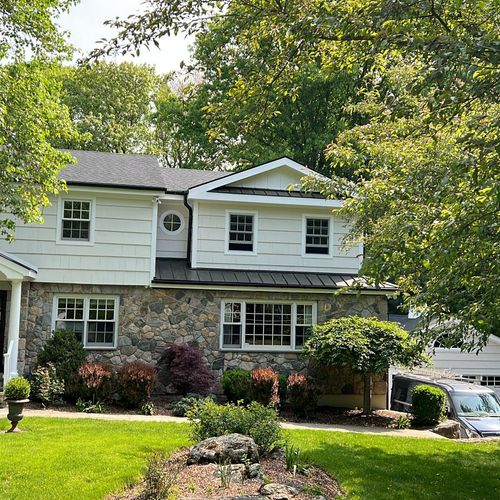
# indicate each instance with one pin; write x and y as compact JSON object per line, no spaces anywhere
{"x":134,"y":257}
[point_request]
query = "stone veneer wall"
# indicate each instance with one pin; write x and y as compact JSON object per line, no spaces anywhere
{"x":152,"y":318}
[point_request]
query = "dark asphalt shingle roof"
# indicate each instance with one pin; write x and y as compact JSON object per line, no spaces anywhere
{"x":132,"y":171}
{"x":177,"y":271}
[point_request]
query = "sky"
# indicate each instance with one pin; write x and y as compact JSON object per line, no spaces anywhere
{"x":85,"y":24}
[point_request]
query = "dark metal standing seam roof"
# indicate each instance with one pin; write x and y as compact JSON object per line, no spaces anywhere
{"x":177,"y":271}
{"x":281,"y":193}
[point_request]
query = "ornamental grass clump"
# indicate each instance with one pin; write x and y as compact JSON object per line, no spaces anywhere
{"x":135,"y":383}
{"x":265,"y":386}
{"x":17,"y":389}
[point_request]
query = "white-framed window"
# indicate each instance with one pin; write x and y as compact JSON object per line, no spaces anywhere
{"x":445,"y":341}
{"x":240,"y":232}
{"x":317,"y":236}
{"x":253,"y":325}
{"x":93,"y":319}
{"x":486,"y":380}
{"x":172,"y":222}
{"x":75,"y":221}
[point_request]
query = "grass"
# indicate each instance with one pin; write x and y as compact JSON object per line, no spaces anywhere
{"x":89,"y":459}
{"x":380,"y":467}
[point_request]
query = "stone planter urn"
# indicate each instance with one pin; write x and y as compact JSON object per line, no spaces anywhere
{"x":15,"y":415}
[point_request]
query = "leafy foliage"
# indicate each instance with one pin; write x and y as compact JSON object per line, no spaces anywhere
{"x":237,"y":385}
{"x":186,"y":369}
{"x":45,"y":384}
{"x":160,"y":477}
{"x":94,"y":381}
{"x":302,"y":394}
{"x":367,"y":345}
{"x":135,"y":383}
{"x":17,"y":388}
{"x":257,"y":421}
{"x":65,"y":353}
{"x":428,"y":405}
{"x":265,"y":386}
{"x":189,"y":404}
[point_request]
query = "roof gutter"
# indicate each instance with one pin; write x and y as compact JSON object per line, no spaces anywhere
{"x":190,"y":229}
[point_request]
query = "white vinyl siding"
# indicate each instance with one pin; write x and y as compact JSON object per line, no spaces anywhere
{"x":93,"y":319}
{"x":265,"y":326}
{"x":121,"y":249}
{"x":279,"y":240}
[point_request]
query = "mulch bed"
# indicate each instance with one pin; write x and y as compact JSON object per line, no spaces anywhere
{"x":197,"y":482}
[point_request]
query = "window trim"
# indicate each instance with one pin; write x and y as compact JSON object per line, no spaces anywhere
{"x":60,"y":208}
{"x":228,"y":226}
{"x":328,"y":255}
{"x":86,"y":302}
{"x":249,"y":348}
{"x":181,"y":218}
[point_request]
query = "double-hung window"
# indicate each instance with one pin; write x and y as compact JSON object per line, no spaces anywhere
{"x":76,"y":220}
{"x":94,"y":320}
{"x":241,"y":232}
{"x":317,"y":236}
{"x":264,"y":326}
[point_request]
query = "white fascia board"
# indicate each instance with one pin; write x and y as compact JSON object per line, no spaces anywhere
{"x":494,"y":339}
{"x":266,"y":200}
{"x":171,"y":197}
{"x":245,"y":174}
{"x":140,"y":193}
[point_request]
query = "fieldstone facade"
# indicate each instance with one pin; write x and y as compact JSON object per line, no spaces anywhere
{"x":152,"y":318}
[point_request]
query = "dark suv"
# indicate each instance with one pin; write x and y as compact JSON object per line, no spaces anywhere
{"x":475,"y":407}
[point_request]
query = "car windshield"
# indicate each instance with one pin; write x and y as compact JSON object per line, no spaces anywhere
{"x":476,"y":405}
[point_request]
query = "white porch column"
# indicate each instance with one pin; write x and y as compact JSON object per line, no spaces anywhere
{"x":13,"y":333}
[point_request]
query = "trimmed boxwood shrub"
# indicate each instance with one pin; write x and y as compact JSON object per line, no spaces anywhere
{"x":17,"y":388}
{"x":428,"y":405}
{"x":65,"y":352}
{"x":257,"y":421}
{"x":237,"y":385}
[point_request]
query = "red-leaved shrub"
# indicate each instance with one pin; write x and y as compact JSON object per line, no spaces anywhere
{"x":302,"y":394}
{"x":265,"y":386}
{"x":186,"y":370}
{"x":95,"y":380}
{"x":135,"y":383}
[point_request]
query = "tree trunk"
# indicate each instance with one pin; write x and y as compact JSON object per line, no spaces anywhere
{"x":367,"y":393}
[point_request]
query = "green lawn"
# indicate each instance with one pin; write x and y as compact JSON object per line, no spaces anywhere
{"x":87,"y":459}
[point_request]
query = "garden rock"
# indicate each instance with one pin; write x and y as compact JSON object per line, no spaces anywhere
{"x":277,"y":491}
{"x":255,"y":471}
{"x":233,"y":448}
{"x":448,"y":429}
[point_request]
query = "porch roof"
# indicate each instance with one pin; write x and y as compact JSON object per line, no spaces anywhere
{"x":13,"y":267}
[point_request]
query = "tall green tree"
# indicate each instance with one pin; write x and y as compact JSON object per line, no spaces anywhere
{"x":426,"y":164}
{"x":31,"y":115}
{"x":111,"y":106}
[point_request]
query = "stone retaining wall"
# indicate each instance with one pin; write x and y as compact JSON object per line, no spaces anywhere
{"x":152,"y":318}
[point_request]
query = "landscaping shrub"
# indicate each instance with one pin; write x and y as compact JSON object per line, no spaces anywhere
{"x":428,"y":404}
{"x":282,"y":388}
{"x":46,"y":385}
{"x":265,"y":386}
{"x":135,"y":383}
{"x":90,"y":406}
{"x":257,"y":421}
{"x":160,"y":477}
{"x":187,"y":371}
{"x":17,"y":388}
{"x":148,"y":408}
{"x":237,"y":385}
{"x":94,"y":381}
{"x":189,"y":403}
{"x":65,"y":352}
{"x":302,"y":394}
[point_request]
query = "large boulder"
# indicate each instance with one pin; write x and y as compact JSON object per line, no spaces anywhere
{"x":449,"y":429}
{"x":277,"y":491}
{"x":232,"y":448}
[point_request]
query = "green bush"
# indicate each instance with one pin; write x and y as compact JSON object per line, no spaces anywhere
{"x":237,"y":385}
{"x":302,"y":394}
{"x":257,"y":421}
{"x":428,"y":404}
{"x":189,"y":404}
{"x":17,"y":388}
{"x":65,"y":352}
{"x":46,"y":385}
